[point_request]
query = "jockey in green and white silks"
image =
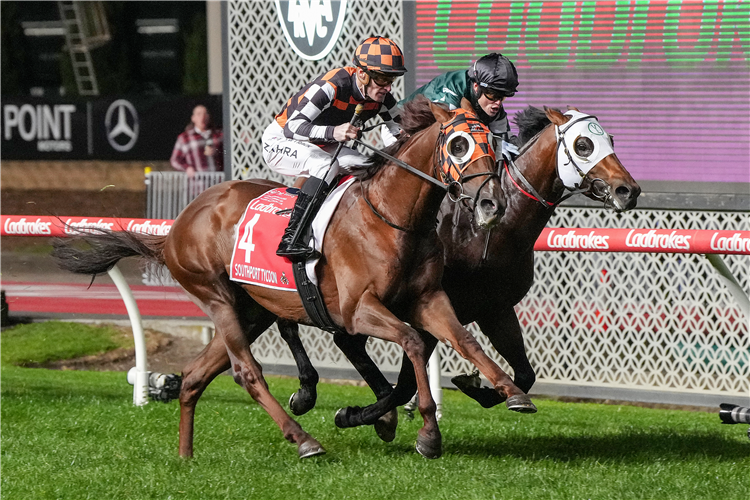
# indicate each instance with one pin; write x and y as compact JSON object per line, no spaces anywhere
{"x":486,"y":84}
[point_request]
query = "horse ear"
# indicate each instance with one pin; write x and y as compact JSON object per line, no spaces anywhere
{"x":573,"y":108}
{"x":467,"y":105}
{"x":441,"y":114}
{"x":555,"y":116}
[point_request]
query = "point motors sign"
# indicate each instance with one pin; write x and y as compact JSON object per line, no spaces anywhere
{"x":99,"y":128}
{"x":312,"y":27}
{"x":49,"y":126}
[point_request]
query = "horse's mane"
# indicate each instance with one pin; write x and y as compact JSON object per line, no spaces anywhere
{"x":415,"y":116}
{"x":530,"y":122}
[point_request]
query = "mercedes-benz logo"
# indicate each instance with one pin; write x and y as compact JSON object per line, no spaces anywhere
{"x":122,"y":125}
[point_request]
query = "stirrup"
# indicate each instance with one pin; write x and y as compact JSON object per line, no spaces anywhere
{"x":298,"y":252}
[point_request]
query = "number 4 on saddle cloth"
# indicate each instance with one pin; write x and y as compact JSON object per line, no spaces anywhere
{"x":254,"y":259}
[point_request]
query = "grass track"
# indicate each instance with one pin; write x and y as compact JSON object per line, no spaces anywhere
{"x":76,"y":435}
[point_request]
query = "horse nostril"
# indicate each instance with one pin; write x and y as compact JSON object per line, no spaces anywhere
{"x":488,"y":206}
{"x":623,"y":192}
{"x":628,"y":195}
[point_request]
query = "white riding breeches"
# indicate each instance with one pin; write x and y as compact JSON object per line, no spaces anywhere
{"x":297,"y":158}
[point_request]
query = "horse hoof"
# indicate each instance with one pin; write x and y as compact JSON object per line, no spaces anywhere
{"x":310,"y":448}
{"x":467,"y":381}
{"x":343,"y":418}
{"x":520,"y":403}
{"x":298,"y":406}
{"x":429,"y":448}
{"x":386,"y":425}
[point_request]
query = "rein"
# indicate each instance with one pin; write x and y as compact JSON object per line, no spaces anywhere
{"x":409,"y":169}
{"x":405,"y":166}
{"x":392,"y":224}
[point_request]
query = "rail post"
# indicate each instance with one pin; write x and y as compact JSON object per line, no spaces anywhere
{"x":140,"y":384}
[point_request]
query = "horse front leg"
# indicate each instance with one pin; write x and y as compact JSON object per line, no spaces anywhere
{"x":304,"y":399}
{"x":436,"y":315}
{"x":372,"y":318}
{"x":504,"y":332}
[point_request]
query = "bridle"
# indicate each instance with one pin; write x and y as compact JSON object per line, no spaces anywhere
{"x":595,"y":187}
{"x":451,"y":180}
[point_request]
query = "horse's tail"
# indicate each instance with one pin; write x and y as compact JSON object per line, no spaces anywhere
{"x":107,"y":248}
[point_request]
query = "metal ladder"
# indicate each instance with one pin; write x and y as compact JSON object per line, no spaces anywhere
{"x":79,"y":44}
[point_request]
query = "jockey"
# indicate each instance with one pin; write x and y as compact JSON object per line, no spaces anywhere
{"x":301,"y":140}
{"x":486,"y":84}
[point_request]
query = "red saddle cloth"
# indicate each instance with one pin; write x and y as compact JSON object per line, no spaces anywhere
{"x":259,"y":232}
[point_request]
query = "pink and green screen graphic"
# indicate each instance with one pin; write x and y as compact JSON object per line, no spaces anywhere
{"x":669,"y":79}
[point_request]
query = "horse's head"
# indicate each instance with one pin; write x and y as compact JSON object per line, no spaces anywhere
{"x":586,"y":160}
{"x":465,"y":162}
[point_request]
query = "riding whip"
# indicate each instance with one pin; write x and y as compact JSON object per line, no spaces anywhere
{"x":357,"y":111}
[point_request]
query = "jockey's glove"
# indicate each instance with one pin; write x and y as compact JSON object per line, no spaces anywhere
{"x":509,"y":151}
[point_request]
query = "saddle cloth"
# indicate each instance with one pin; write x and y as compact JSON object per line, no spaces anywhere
{"x":259,"y":231}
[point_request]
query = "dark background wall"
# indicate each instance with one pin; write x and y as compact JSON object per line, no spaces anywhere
{"x":135,"y":60}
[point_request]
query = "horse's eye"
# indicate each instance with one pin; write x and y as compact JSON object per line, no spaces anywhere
{"x":583,"y":146}
{"x":459,"y":146}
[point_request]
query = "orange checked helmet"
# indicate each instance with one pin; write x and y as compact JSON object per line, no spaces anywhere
{"x":381,"y":55}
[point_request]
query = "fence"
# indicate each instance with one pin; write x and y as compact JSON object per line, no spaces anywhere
{"x":651,"y":326}
{"x":640,"y":325}
{"x":659,"y":326}
{"x":168,"y":193}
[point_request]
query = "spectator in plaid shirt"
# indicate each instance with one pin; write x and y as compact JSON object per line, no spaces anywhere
{"x":303,"y":137}
{"x":200,"y":147}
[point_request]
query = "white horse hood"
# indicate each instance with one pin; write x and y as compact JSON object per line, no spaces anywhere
{"x":573,"y":162}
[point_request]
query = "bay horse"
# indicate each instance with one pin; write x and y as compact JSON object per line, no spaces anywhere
{"x":379,"y":273}
{"x":488,"y":270}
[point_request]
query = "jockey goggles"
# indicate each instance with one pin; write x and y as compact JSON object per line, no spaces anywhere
{"x":494,"y":95}
{"x":380,"y":79}
{"x":464,"y":140}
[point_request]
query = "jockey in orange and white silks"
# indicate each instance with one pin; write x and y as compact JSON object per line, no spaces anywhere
{"x":302,"y":138}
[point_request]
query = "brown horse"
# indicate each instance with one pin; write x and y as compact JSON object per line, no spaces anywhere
{"x":489,"y":270}
{"x":381,"y":269}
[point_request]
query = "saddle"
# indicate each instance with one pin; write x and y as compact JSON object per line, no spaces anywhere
{"x":254,"y":259}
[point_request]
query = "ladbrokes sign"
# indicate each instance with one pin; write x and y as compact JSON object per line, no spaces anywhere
{"x":130,"y":128}
{"x":644,"y":240}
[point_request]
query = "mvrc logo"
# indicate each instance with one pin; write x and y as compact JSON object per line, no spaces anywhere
{"x":312,"y":27}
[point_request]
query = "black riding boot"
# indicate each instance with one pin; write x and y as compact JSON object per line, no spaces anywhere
{"x":308,"y":203}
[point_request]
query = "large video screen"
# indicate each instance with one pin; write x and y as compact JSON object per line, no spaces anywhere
{"x":669,"y":79}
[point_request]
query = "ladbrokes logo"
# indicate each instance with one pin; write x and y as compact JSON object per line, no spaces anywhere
{"x":652,"y":239}
{"x":573,"y":241}
{"x":86,"y":226}
{"x":734,"y":243}
{"x":24,"y":227}
{"x":148,"y":228}
{"x":311,"y":27}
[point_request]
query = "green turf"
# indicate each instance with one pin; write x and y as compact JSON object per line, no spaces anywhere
{"x":56,"y":340}
{"x":76,"y":435}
